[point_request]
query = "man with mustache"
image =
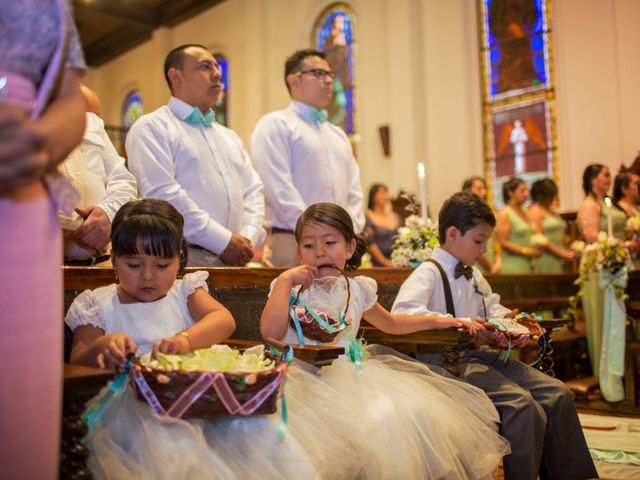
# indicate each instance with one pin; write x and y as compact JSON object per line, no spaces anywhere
{"x":180,"y":154}
{"x":303,"y":159}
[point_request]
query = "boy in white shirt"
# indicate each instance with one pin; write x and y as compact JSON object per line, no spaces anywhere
{"x":538,"y":414}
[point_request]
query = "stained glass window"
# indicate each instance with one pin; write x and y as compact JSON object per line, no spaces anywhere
{"x":222,"y":107}
{"x":132,"y":109}
{"x":518,"y":95}
{"x":334,"y":35}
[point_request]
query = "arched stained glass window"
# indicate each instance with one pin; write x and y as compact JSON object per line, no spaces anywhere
{"x":334,"y":35}
{"x":518,"y":94}
{"x":132,"y":108}
{"x":222,"y":107}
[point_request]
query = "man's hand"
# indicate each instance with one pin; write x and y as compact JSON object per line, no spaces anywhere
{"x":95,"y":229}
{"x":238,"y":252}
{"x":23,"y":157}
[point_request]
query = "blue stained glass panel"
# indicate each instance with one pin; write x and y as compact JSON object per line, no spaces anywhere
{"x":221,"y":108}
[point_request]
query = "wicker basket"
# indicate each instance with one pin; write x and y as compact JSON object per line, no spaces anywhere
{"x":505,"y":338}
{"x":310,"y":327}
{"x":182,"y":394}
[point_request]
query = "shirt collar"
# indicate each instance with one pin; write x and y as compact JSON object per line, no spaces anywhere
{"x":303,"y":110}
{"x":447,"y":260}
{"x":180,"y":108}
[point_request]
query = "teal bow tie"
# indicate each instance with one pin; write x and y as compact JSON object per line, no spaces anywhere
{"x":197,"y":118}
{"x":318,"y":115}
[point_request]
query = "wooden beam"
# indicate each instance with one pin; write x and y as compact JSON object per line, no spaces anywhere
{"x":174,"y":12}
{"x":134,"y":15}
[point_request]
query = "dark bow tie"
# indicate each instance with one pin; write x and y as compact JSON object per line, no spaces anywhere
{"x":462,"y":269}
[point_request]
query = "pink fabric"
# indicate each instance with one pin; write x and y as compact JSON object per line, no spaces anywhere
{"x":30,"y":339}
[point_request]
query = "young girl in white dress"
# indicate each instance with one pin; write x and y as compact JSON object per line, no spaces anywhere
{"x":412,"y":423}
{"x":149,"y":310}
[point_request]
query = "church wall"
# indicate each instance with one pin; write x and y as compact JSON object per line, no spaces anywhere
{"x":418,"y":72}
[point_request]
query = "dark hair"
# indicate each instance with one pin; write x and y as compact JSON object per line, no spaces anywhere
{"x":337,"y":217}
{"x":149,"y":227}
{"x":372,"y":193}
{"x":463,"y":210}
{"x":292,"y":64}
{"x":544,"y":190}
{"x":509,"y":187}
{"x":468,"y":183}
{"x":591,"y":172}
{"x":635,"y":166}
{"x":623,"y":179}
{"x":175,"y":59}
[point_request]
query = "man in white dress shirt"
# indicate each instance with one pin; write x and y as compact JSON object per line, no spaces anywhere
{"x":103,"y":183}
{"x":303,"y":159}
{"x":180,"y":154}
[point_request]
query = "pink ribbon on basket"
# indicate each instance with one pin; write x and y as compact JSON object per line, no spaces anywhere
{"x":197,"y":388}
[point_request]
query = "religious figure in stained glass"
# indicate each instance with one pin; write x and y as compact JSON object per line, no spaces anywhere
{"x":221,"y":108}
{"x":334,"y":36}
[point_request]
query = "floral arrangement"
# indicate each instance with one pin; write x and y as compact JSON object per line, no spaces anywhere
{"x":538,"y":240}
{"x":415,"y":242}
{"x":606,"y":253}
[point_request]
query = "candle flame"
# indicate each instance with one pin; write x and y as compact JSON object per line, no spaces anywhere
{"x":607,"y":201}
{"x":420,"y":170}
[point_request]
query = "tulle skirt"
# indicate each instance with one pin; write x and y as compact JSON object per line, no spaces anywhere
{"x":136,"y":443}
{"x":415,"y":423}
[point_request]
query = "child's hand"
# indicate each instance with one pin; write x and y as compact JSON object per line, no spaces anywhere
{"x":176,"y":345}
{"x":474,"y":325}
{"x":114,"y":350}
{"x":301,"y":275}
{"x":512,"y":313}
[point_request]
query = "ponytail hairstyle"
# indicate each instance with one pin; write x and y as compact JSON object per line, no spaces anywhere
{"x":149,"y":227}
{"x":623,"y":179}
{"x":635,"y":166}
{"x":544,"y":191}
{"x":591,"y":172}
{"x":509,"y":187}
{"x":336,"y":217}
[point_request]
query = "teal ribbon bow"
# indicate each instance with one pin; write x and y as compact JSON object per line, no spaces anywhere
{"x":197,"y":118}
{"x":318,"y":115}
{"x":613,"y":335}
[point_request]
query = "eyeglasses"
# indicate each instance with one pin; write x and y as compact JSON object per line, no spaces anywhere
{"x":318,"y":73}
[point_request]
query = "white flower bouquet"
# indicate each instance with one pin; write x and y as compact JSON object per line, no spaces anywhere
{"x":415,"y":242}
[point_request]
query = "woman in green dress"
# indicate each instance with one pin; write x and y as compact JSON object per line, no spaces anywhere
{"x":514,"y":229}
{"x":549,"y":224}
{"x":625,"y":197}
{"x":592,"y":219}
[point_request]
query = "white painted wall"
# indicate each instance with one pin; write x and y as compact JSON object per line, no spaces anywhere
{"x":418,"y":72}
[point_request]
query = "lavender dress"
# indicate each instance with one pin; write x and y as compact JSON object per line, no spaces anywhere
{"x":30,"y":257}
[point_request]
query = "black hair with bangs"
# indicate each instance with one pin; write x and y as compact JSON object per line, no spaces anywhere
{"x":149,"y":227}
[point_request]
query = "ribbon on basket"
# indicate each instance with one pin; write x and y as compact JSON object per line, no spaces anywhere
{"x":109,"y":401}
{"x":220,"y":385}
{"x":613,"y":335}
{"x":320,"y":318}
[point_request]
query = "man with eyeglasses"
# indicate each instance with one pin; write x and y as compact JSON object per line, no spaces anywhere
{"x":303,"y":159}
{"x":180,"y":154}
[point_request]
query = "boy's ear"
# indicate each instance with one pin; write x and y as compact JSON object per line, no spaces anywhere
{"x":453,"y":233}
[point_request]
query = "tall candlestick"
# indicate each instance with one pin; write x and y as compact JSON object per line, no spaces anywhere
{"x":607,"y":202}
{"x":423,"y":192}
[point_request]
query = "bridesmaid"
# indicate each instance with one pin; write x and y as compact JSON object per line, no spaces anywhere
{"x":381,"y":227}
{"x":514,"y":229}
{"x":548,"y":223}
{"x":625,"y":197}
{"x":592,"y":219}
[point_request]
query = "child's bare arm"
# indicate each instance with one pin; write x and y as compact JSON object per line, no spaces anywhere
{"x":275,"y":316}
{"x":400,"y":324}
{"x":91,"y":347}
{"x":213,"y":324}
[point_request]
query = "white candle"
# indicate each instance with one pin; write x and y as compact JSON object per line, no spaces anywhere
{"x":607,"y":202}
{"x":423,"y":192}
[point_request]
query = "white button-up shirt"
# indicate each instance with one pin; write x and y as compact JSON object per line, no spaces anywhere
{"x":98,"y":173}
{"x":303,"y":161}
{"x":423,"y":293}
{"x":203,"y":171}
